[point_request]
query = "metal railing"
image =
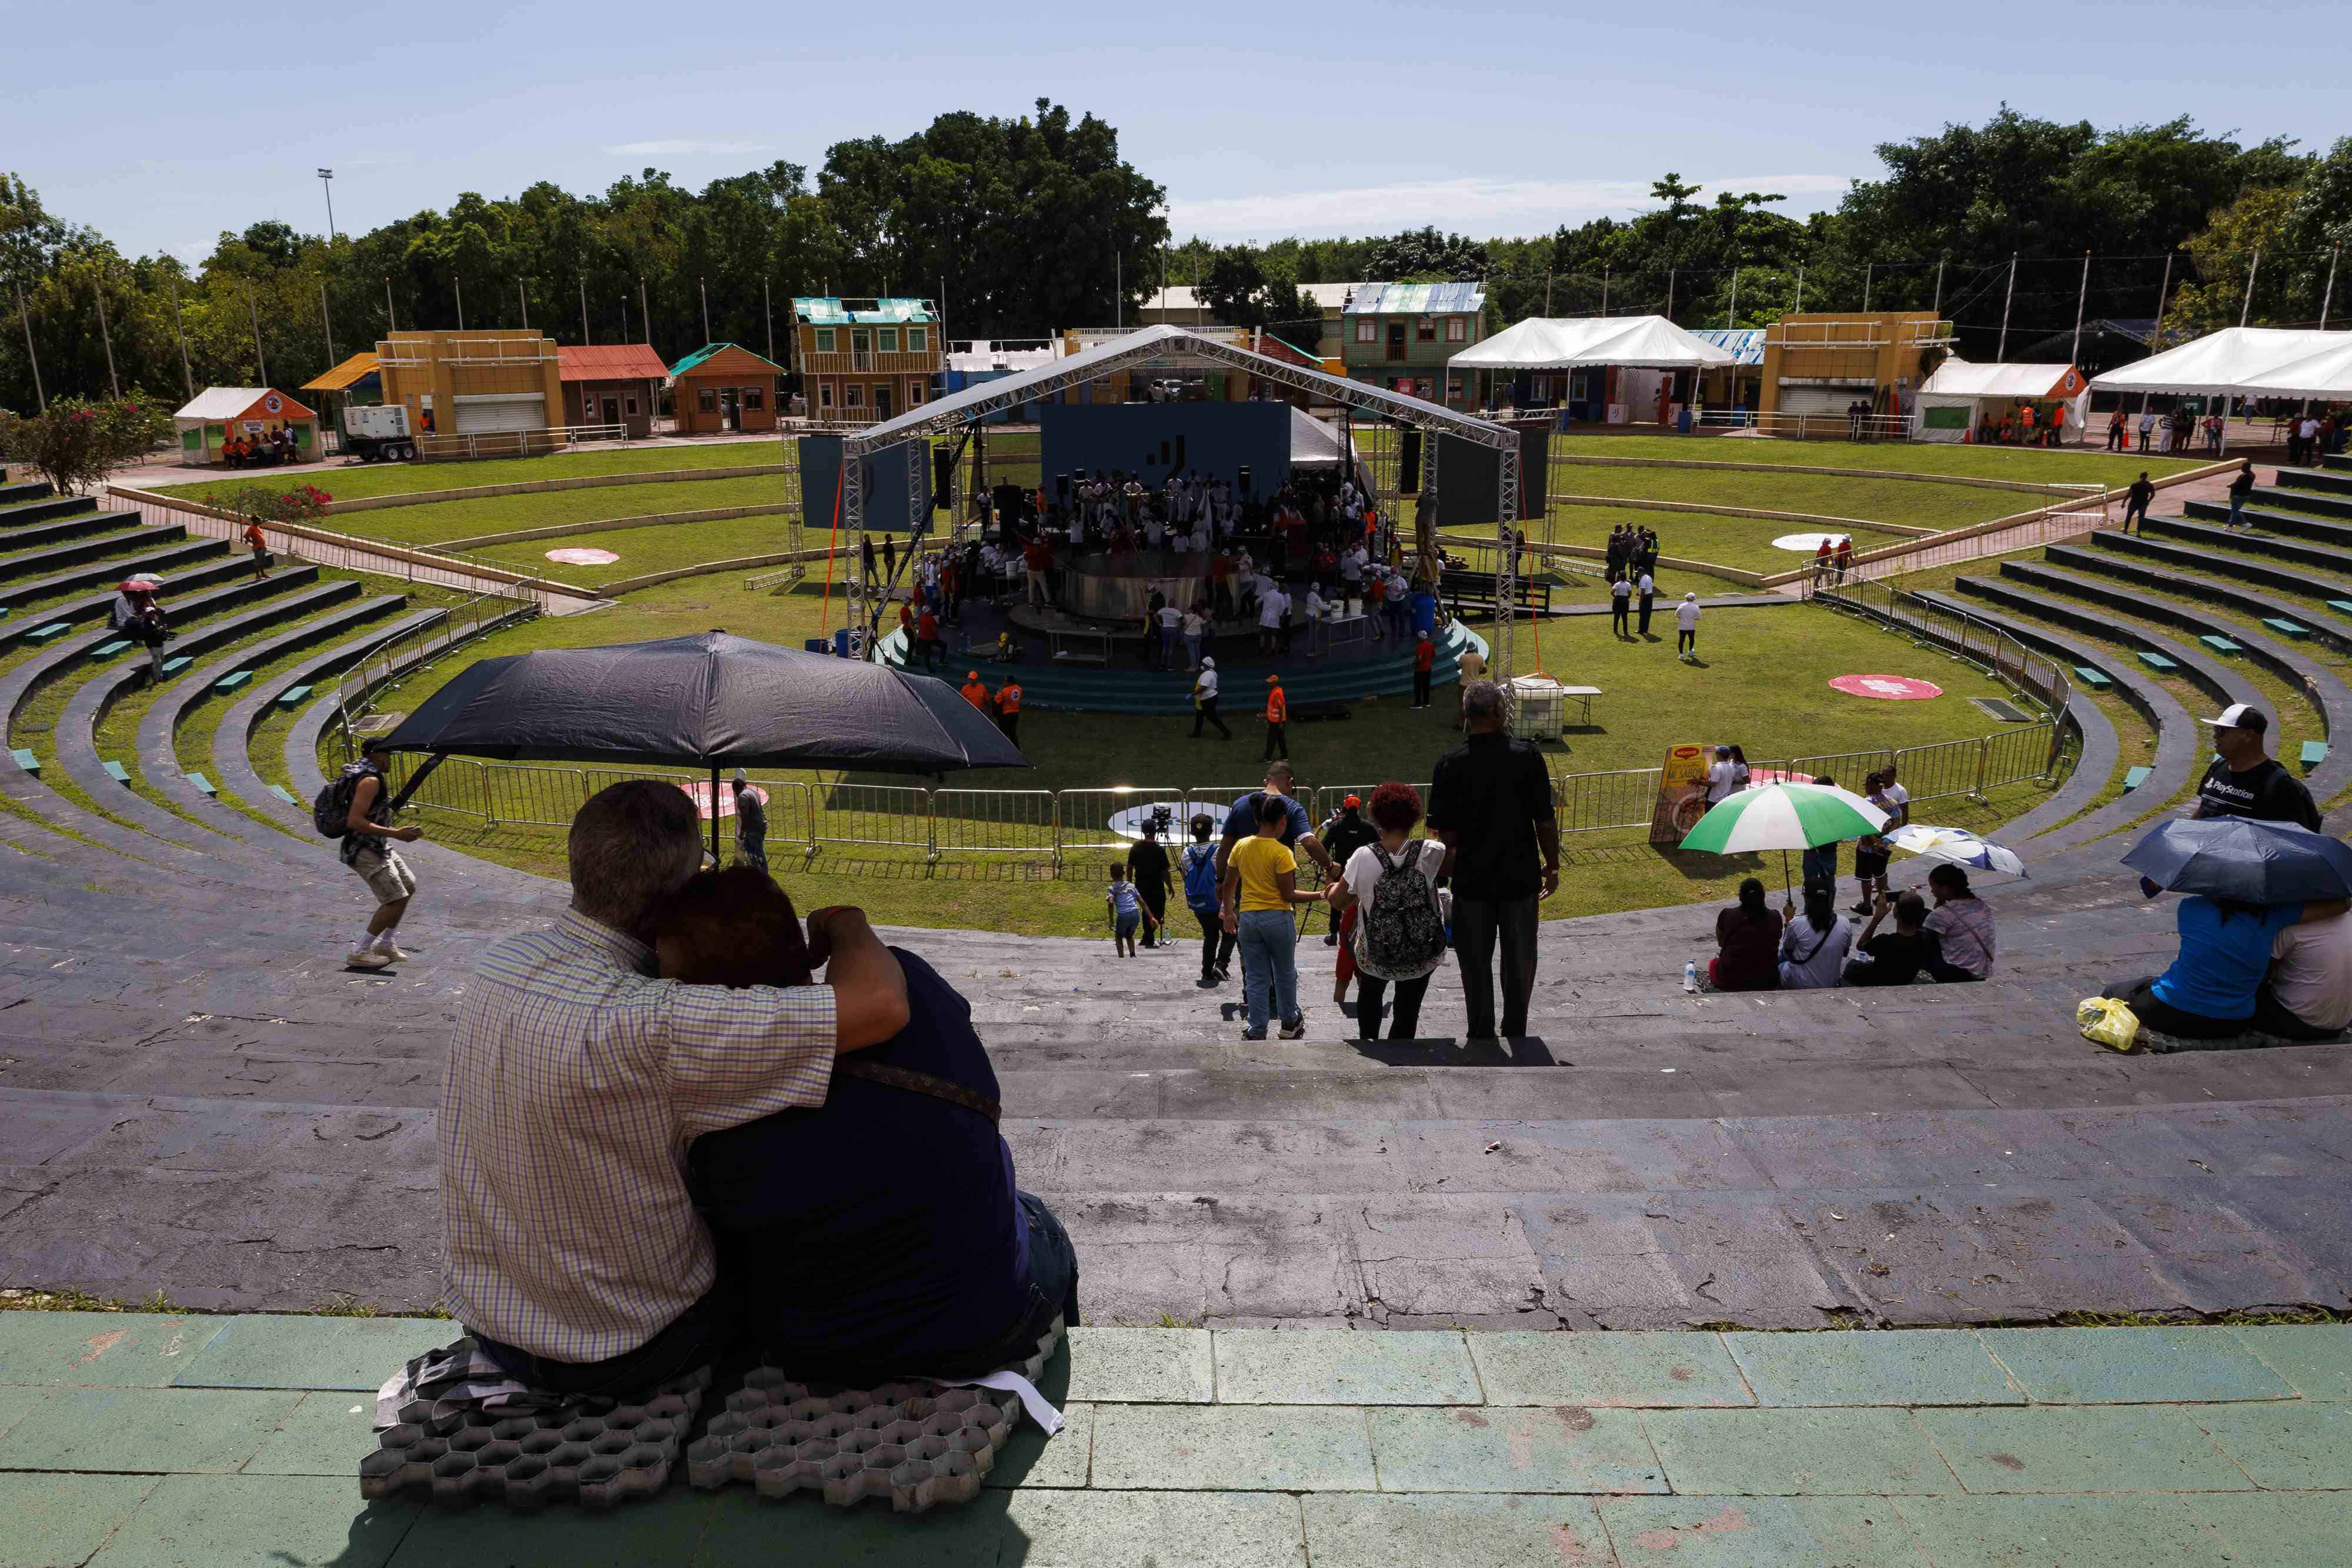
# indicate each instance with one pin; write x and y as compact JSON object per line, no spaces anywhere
{"x":418,"y":647}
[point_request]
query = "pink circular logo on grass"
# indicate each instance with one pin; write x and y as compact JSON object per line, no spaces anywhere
{"x":1887,"y":688}
{"x":699,"y":791}
{"x":576,"y":556}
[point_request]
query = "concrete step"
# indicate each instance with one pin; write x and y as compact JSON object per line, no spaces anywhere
{"x":2326,"y":481}
{"x":108,"y":547}
{"x":215,"y":569}
{"x":37,"y":537}
{"x":2151,"y":562}
{"x":42,"y":508}
{"x":164,"y":559}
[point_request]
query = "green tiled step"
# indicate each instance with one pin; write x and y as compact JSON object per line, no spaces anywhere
{"x":2315,"y":752}
{"x":41,"y":635}
{"x":25,"y":759}
{"x":116,"y":771}
{"x":292,"y":696}
{"x":2154,"y":660}
{"x":2286,"y":628}
{"x":176,"y":662}
{"x":108,"y":650}
{"x":202,"y":783}
{"x":2095,"y":679}
{"x":2134,"y":778}
{"x":233,"y":680}
{"x":2219,"y":643}
{"x":284,"y":794}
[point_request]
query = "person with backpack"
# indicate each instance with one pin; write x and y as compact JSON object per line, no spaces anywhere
{"x":1400,"y":926}
{"x":355,"y":806}
{"x":1200,"y":862}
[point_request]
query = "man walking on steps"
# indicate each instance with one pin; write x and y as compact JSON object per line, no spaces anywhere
{"x":2135,"y":500}
{"x":1490,"y":804}
{"x":368,"y":837}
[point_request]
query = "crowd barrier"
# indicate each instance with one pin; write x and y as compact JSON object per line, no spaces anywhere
{"x":419,"y":645}
{"x":1054,"y":827}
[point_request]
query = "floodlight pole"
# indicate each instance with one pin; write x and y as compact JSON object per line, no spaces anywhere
{"x":522,"y":301}
{"x":326,"y":183}
{"x":260,"y":361}
{"x":1731,"y":316}
{"x":704,"y":284}
{"x":2082,"y":295}
{"x":2001,"y":352}
{"x":586,"y":337}
{"x":1670,"y":291}
{"x":2328,"y":299}
{"x":644,"y":311}
{"x":767,"y":307}
{"x":1800,"y":308}
{"x":1604,"y":290}
{"x":2246,"y":311}
{"x":31,"y":358}
{"x":327,"y":322}
{"x":1867,"y":268}
{"x":1938,"y":308}
{"x":179,"y":332}
{"x":104,"y":336}
{"x":389,"y":325}
{"x":459,"y":285}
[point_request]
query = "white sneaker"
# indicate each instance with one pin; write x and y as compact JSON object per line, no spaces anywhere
{"x":366,"y":958}
{"x":396,"y":952}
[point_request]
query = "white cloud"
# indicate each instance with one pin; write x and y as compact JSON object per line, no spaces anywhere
{"x":682,"y":149}
{"x":1471,"y":205}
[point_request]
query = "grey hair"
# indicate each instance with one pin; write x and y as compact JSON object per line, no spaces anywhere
{"x":631,"y":843}
{"x":1482,"y":699}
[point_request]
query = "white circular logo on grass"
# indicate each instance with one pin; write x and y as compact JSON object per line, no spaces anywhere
{"x":1808,"y":543}
{"x":574,"y":555}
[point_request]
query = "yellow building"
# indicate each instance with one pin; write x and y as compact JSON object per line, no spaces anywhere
{"x":1824,"y":363}
{"x":473,"y":383}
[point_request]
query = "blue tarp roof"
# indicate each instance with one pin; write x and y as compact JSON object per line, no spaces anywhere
{"x":1745,"y":344}
{"x":832,"y":310}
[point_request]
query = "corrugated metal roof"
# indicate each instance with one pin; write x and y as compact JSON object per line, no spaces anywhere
{"x":832,"y":310}
{"x":343,"y":377}
{"x":707,"y":350}
{"x":610,"y":362}
{"x":241,"y":402}
{"x":1745,"y":344}
{"x":1417,"y":299}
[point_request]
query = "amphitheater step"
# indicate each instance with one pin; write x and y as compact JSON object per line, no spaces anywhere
{"x":2325,"y":480}
{"x":41,"y":636}
{"x":2134,"y":778}
{"x":2252,"y":544}
{"x":2312,"y":502}
{"x":176,"y":662}
{"x":2155,"y":661}
{"x":106,"y":651}
{"x":25,"y":759}
{"x":2286,"y":628}
{"x":202,"y":783}
{"x":116,"y":771}
{"x":80,"y":525}
{"x":108,"y":547}
{"x":2280,"y":581}
{"x":2219,"y":643}
{"x":2096,"y":679}
{"x":2273,"y":519}
{"x":164,"y":563}
{"x":15,"y":516}
{"x":284,"y":794}
{"x":233,"y":680}
{"x":23,"y":490}
{"x":2315,"y":752}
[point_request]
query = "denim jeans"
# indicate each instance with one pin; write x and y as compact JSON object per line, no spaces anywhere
{"x":1192,"y":651}
{"x":1269,"y":965}
{"x":1480,"y":926}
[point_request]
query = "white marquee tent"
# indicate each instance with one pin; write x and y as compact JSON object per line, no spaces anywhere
{"x":1959,"y":394}
{"x":1643,"y":343}
{"x":2248,"y":361}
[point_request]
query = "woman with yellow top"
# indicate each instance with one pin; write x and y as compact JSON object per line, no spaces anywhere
{"x":1260,"y":886}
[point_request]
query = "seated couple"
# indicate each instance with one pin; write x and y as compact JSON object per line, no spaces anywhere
{"x":661,"y":1141}
{"x":2279,"y":969}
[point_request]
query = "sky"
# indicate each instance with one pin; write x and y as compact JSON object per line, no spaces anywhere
{"x":162,"y":125}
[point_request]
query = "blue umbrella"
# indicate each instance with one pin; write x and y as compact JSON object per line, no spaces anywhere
{"x":2242,"y":859}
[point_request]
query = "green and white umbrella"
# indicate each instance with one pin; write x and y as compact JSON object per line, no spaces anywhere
{"x":1784,"y":817}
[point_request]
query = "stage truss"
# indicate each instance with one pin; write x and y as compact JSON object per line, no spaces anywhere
{"x":916,"y":427}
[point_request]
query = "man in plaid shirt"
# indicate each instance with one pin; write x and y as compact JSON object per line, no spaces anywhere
{"x":576,"y":1082}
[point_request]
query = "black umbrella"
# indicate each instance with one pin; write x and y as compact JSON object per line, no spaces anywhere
{"x":2244,"y":859}
{"x":711,"y":700}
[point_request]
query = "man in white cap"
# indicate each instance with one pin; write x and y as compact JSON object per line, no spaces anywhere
{"x":1686,"y":628}
{"x":750,"y":822}
{"x":1204,"y":699}
{"x":2245,"y":782}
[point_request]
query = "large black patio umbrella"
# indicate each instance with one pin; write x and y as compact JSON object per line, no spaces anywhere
{"x":710,"y":701}
{"x":2245,"y":858}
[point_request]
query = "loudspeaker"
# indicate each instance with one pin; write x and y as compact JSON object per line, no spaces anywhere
{"x":1062,"y":489}
{"x":1248,"y":493}
{"x":942,"y":475}
{"x":1409,"y":464}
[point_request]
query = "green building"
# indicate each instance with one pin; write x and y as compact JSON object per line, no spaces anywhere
{"x":1400,"y":335}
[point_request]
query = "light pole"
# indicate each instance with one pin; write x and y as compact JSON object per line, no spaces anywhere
{"x":326,"y":183}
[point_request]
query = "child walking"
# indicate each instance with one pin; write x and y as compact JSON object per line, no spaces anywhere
{"x":1126,"y":907}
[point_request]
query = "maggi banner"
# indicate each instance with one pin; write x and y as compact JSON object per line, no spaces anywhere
{"x":1682,"y":794}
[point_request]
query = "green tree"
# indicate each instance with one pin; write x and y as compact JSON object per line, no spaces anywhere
{"x":1425,"y":256}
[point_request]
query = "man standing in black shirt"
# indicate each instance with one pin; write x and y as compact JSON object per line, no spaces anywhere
{"x":2245,"y":783}
{"x":2135,"y":500}
{"x":1147,"y":867}
{"x":1490,"y":804}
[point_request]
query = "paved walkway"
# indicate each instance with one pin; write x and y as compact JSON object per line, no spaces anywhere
{"x":130,"y":1439}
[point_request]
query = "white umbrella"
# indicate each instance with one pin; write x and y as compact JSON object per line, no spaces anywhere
{"x":1958,"y":845}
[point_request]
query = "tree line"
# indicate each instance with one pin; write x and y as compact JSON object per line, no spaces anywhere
{"x":1025,"y":225}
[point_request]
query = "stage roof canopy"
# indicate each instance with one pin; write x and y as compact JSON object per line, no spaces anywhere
{"x":2262,"y":361}
{"x":1148,"y":344}
{"x":1643,"y":342}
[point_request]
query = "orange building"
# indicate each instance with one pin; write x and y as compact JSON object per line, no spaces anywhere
{"x":863,"y":361}
{"x":613,"y":383}
{"x":723,"y":387}
{"x":470,"y":383}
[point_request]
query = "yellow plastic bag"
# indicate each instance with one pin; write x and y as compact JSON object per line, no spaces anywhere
{"x":2108,"y":1022}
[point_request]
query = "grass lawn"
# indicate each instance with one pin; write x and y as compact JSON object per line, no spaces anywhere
{"x":1914,"y":503}
{"x":1742,"y":542}
{"x":355,"y":480}
{"x":642,"y":551}
{"x":2031,"y":465}
{"x":1756,"y":660}
{"x":435,"y":521}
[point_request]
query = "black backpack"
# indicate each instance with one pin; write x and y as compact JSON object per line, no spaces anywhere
{"x":1402,"y":928}
{"x":330,"y":809}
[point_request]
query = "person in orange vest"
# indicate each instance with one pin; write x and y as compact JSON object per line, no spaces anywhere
{"x":259,"y":543}
{"x":1277,"y":720}
{"x":974,"y":692}
{"x":1008,"y":708}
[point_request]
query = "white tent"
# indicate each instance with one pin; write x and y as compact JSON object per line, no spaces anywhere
{"x":1961,"y":395}
{"x":1645,"y":343}
{"x":2255,"y":362}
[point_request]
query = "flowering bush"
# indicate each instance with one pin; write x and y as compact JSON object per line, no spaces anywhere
{"x":302,"y":503}
{"x":76,"y":444}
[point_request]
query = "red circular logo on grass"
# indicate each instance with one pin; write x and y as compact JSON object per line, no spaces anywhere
{"x":1887,"y":688}
{"x":576,"y":556}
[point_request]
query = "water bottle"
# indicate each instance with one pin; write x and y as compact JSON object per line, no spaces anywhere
{"x":1690,"y":976}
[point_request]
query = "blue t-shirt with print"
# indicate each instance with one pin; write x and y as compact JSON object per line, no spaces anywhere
{"x":1241,"y":820}
{"x":2221,"y":962}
